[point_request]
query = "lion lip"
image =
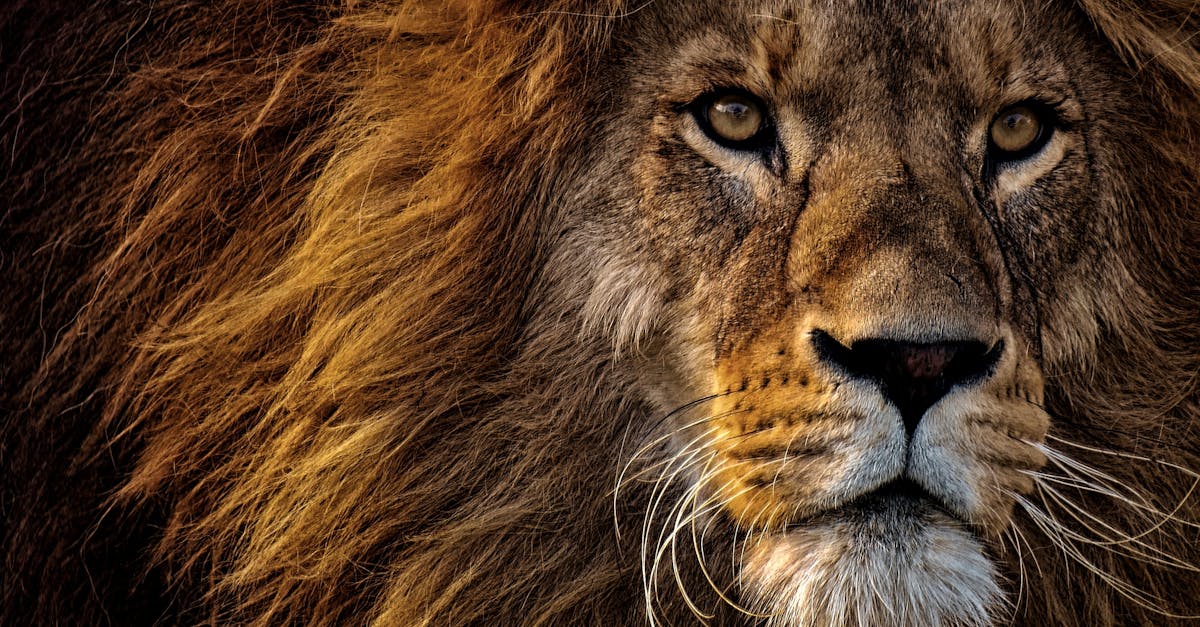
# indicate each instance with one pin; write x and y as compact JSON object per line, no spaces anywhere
{"x":900,"y":494}
{"x":901,"y":489}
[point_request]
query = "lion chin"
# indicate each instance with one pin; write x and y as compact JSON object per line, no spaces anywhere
{"x":892,"y":558}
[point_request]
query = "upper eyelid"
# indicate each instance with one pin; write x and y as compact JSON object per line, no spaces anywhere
{"x":708,"y":95}
{"x":1063,"y":107}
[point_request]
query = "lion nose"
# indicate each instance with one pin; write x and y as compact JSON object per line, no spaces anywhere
{"x":913,"y":375}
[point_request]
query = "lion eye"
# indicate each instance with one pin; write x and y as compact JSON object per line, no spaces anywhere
{"x":733,"y":119}
{"x":1019,"y":131}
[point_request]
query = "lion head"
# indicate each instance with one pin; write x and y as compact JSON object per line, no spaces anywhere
{"x":782,"y":313}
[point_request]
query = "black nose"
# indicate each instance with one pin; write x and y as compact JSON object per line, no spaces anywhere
{"x":913,"y":375}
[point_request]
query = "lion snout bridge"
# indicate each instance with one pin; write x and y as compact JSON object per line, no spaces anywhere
{"x":912,"y":375}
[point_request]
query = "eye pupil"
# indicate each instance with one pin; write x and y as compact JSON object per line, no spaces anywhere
{"x":733,"y":119}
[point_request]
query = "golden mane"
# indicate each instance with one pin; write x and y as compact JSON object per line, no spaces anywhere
{"x":274,"y":265}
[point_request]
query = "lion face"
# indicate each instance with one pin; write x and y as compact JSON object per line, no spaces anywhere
{"x":839,"y":313}
{"x":849,"y":247}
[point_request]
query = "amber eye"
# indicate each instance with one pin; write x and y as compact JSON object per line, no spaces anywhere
{"x":733,"y":119}
{"x":1020,"y":131}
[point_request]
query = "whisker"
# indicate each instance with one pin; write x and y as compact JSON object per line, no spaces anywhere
{"x":1121,"y":454}
{"x":621,"y":451}
{"x":1085,"y":477}
{"x":1053,"y":530}
{"x":1076,"y":468}
{"x":1012,"y":538}
{"x":689,"y":455}
{"x":710,"y":505}
{"x":1020,"y":535}
{"x":1138,"y":437}
{"x":665,"y":465}
{"x":784,"y":460}
{"x":663,"y":438}
{"x":1120,"y":539}
{"x":1155,"y":515}
{"x":679,"y":512}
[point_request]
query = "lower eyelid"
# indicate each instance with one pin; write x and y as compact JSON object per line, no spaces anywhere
{"x":1009,"y":177}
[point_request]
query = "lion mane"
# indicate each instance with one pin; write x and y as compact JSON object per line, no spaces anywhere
{"x":268,"y":352}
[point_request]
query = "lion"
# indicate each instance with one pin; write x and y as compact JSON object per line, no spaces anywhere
{"x":778,"y":313}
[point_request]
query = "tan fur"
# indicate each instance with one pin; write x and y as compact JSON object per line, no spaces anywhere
{"x":388,"y":312}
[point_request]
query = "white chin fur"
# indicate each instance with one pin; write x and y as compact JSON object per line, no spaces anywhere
{"x":883,"y":563}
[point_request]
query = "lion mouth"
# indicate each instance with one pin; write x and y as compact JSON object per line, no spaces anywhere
{"x":901,"y":493}
{"x":898,"y":499}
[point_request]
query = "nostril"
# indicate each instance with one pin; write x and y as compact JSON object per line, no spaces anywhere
{"x":913,"y":375}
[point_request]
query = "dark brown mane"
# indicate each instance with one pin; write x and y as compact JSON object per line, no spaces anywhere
{"x":268,"y":328}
